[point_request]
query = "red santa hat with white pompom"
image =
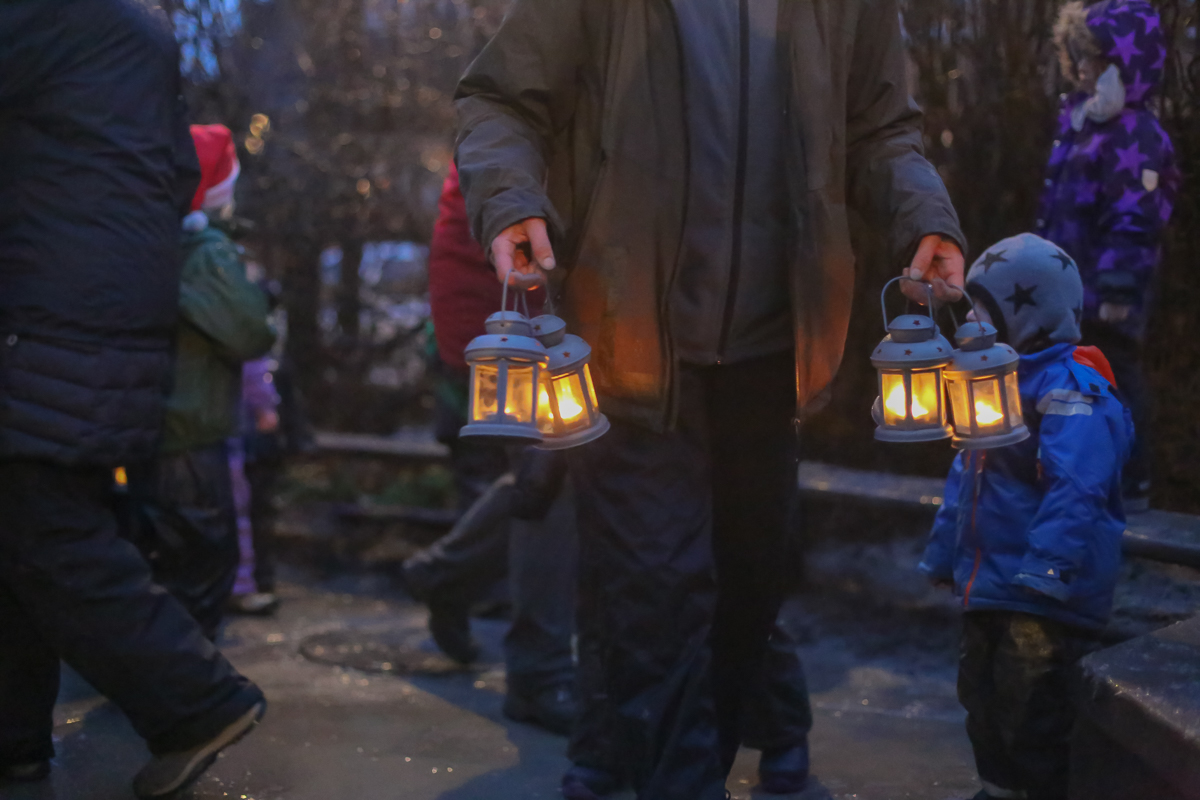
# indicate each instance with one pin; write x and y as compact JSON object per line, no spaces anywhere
{"x":219,"y":167}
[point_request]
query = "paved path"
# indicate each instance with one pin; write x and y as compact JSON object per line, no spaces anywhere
{"x":887,"y":725}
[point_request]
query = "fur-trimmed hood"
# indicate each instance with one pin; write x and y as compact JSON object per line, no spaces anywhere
{"x":1127,"y":33}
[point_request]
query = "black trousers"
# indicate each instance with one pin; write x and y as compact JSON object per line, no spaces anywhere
{"x":1125,"y":356}
{"x":1014,"y":679}
{"x":683,"y":543}
{"x":72,"y":588}
{"x":187,"y":528}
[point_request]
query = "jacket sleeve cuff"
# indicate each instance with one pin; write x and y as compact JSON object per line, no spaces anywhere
{"x":914,"y":238}
{"x":509,"y":208}
{"x":935,"y":571}
{"x":1120,"y":287}
{"x":1043,"y":578}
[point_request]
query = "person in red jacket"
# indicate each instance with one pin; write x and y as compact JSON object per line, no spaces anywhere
{"x":522,"y":526}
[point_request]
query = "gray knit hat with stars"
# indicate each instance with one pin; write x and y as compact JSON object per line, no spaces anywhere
{"x":1031,"y":289}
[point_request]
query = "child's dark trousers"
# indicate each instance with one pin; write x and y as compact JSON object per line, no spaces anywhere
{"x":1014,"y":679}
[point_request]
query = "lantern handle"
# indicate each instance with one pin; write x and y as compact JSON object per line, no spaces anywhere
{"x":974,"y":307}
{"x":888,"y":285}
{"x":538,"y":279}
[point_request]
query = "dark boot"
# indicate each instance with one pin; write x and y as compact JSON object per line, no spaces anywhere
{"x":25,"y":773}
{"x":554,"y":708}
{"x":450,"y":574}
{"x":588,"y":783}
{"x":255,"y":604}
{"x":450,"y":626}
{"x":784,"y":771}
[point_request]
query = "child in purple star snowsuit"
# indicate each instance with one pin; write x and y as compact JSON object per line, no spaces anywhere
{"x":1111,"y":186}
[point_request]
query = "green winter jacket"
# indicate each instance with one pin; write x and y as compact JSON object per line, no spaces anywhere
{"x":223,"y":322}
{"x":575,"y":113}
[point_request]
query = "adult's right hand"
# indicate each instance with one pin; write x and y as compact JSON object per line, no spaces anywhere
{"x":521,"y":252}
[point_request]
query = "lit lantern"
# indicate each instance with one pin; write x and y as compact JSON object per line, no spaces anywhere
{"x":984,"y":395}
{"x":568,"y":412}
{"x":910,"y":360}
{"x":506,"y":371}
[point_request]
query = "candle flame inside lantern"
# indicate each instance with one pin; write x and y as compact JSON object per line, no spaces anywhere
{"x":985,"y":414}
{"x":896,"y":400}
{"x":568,"y":405}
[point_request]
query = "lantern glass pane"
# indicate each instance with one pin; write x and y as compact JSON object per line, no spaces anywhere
{"x":925,"y":390}
{"x":572,"y":407}
{"x":518,"y":402}
{"x":989,"y":411}
{"x":1015,"y":418}
{"x":591,"y":387}
{"x":895,"y":399}
{"x":485,"y":379}
{"x":545,"y":413}
{"x":959,"y":405}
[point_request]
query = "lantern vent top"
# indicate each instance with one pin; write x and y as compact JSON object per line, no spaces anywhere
{"x":906,"y":349}
{"x":974,"y":336}
{"x":568,"y":354}
{"x":912,"y":328}
{"x":508,"y":323}
{"x":548,"y":329}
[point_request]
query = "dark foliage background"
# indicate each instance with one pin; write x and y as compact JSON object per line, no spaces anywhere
{"x":342,"y":111}
{"x":987,"y":76}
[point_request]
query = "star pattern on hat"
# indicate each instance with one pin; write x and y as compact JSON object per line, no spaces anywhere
{"x":1125,"y":47}
{"x":1021,"y":297}
{"x":1066,"y":261}
{"x":1161,"y":61}
{"x":1131,"y":158}
{"x":991,"y":258}
{"x":1138,"y":90}
{"x":1094,"y":145}
{"x":1129,"y":201}
{"x":1086,"y":193}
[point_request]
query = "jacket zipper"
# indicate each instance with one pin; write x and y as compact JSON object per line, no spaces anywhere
{"x":975,"y":528}
{"x":739,"y":186}
{"x":671,"y":397}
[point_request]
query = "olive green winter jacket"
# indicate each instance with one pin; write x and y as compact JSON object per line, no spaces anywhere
{"x":575,"y":113}
{"x":223,"y":322}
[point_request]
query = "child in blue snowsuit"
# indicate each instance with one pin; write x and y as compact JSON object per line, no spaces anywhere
{"x":1030,"y":534}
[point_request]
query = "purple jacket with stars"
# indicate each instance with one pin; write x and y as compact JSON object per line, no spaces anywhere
{"x":1111,"y":187}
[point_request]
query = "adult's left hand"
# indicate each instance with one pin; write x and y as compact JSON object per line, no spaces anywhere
{"x":939,"y":262}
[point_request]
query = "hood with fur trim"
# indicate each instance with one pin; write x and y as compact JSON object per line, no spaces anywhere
{"x":1126,"y":33}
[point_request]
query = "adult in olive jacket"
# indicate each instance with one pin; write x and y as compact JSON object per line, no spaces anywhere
{"x":690,"y":165}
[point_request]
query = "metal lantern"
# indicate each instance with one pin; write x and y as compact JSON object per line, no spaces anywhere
{"x":984,"y":396}
{"x":506,"y":371}
{"x":910,"y":360}
{"x":568,"y":412}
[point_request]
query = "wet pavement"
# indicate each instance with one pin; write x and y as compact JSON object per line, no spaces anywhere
{"x":887,"y":723}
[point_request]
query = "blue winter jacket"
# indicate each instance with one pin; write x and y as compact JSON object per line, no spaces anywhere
{"x":1036,"y":527}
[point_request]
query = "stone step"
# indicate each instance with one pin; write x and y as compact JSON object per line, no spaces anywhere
{"x":1164,"y":536}
{"x":1139,"y":731}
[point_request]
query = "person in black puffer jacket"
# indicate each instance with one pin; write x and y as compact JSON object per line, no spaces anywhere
{"x":96,"y":169}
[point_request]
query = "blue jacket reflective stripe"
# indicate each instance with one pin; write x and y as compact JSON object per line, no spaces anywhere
{"x":1037,"y":526}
